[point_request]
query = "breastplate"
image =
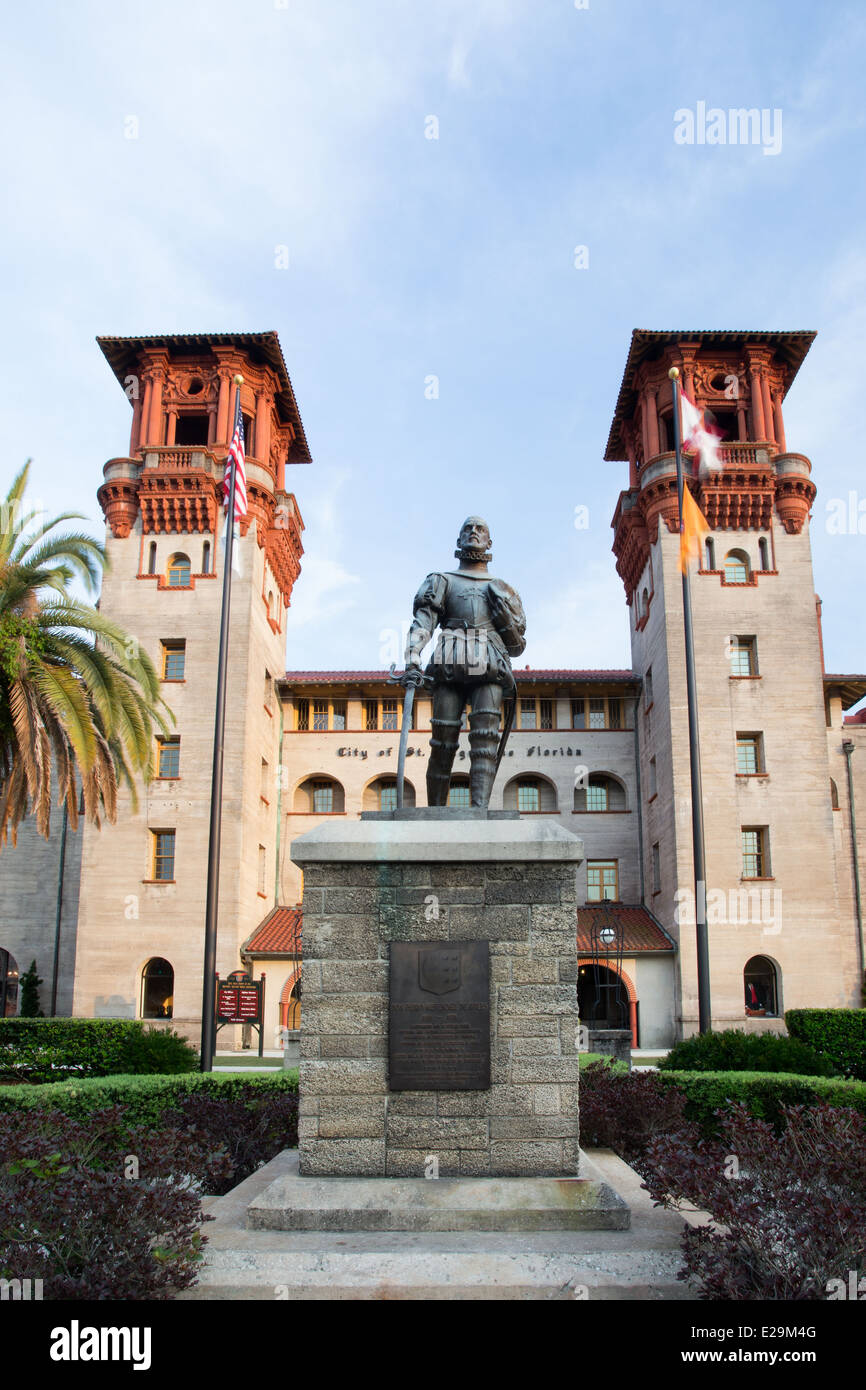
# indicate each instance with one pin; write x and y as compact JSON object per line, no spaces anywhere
{"x":466,"y":602}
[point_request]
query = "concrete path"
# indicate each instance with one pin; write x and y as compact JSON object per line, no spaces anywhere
{"x":639,"y":1263}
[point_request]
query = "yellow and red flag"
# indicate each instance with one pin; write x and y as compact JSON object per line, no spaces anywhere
{"x":694,"y":530}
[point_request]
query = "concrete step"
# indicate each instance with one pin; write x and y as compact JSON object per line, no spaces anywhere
{"x":640,"y":1262}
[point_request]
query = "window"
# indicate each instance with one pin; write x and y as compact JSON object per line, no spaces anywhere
{"x":179,"y":572}
{"x":602,"y":793}
{"x":265,"y":782}
{"x":205,"y":558}
{"x":320,"y":714}
{"x":320,"y":796}
{"x":600,"y":712}
{"x":269,"y":691}
{"x":191,"y":429}
{"x":657,"y":869}
{"x":744,"y":656}
{"x":151,"y":561}
{"x":834,"y":795}
{"x":163,"y":855}
{"x":653,"y":778}
{"x":749,"y":754}
{"x":764,"y":552}
{"x":596,"y":714}
{"x":648,"y":687}
{"x":388,"y":796}
{"x":755,"y":852}
{"x":644,"y":604}
{"x":709,"y":553}
{"x":303,"y":712}
{"x":459,"y":793}
{"x":528,"y":715}
{"x":602,"y":880}
{"x":173,"y":660}
{"x":736,"y":567}
{"x":545,"y":708}
{"x":157,"y":989}
{"x":528,"y":796}
{"x":371,"y":714}
{"x":249,"y":441}
{"x":168,"y":757}
{"x":761,"y":982}
{"x":338,"y":714}
{"x":389,"y":714}
{"x":263,"y":861}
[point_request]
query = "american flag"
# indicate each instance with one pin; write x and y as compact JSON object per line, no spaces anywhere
{"x":236,"y":452}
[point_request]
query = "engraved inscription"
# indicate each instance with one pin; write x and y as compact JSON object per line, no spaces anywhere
{"x":439,"y":1037}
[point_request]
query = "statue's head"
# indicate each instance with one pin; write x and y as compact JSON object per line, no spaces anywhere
{"x":474,"y":541}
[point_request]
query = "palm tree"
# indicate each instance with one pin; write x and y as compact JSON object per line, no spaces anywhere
{"x":76,"y":693}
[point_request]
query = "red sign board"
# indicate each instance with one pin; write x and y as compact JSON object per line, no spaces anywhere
{"x":239,"y":1003}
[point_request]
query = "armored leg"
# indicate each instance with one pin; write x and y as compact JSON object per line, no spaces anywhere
{"x":448,"y":702}
{"x":483,"y":741}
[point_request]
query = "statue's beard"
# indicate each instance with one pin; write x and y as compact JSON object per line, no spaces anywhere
{"x":469,"y":556}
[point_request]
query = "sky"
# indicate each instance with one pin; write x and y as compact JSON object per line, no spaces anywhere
{"x":427,"y":171}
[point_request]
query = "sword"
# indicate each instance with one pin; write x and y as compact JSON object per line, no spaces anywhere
{"x":411,"y":680}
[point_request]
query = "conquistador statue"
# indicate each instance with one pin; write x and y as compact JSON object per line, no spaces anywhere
{"x":482,"y":624}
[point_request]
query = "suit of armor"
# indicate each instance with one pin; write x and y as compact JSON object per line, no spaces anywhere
{"x":482,"y":624}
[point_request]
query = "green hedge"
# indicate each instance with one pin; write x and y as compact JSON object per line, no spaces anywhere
{"x":37,"y":1049}
{"x":837,"y":1034}
{"x":763,"y":1093}
{"x":733,"y":1049}
{"x":143,"y":1097}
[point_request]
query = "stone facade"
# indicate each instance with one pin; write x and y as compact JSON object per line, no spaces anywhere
{"x":523,"y":904}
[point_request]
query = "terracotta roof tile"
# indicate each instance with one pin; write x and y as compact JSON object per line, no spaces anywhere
{"x":642,"y":932}
{"x":278,"y":934}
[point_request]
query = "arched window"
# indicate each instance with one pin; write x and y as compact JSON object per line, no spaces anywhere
{"x":157,"y":989}
{"x":736,"y":567}
{"x":319,"y":796}
{"x":530,"y":794}
{"x":271,"y":607}
{"x":764,"y":551}
{"x":834,"y":795}
{"x":205,"y":558}
{"x":644,"y":604}
{"x":290,"y":1002}
{"x":151,"y":562}
{"x":761,"y":981}
{"x":179,"y":572}
{"x":709,"y":553}
{"x":459,"y":792}
{"x":602,"y":793}
{"x":381,"y":794}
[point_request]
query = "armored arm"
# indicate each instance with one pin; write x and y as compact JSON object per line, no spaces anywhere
{"x":427,"y":610}
{"x":508,"y":616}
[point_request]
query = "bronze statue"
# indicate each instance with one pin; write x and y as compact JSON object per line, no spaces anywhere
{"x":482,"y":624}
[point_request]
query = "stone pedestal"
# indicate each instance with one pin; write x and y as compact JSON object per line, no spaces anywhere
{"x":504,"y":880}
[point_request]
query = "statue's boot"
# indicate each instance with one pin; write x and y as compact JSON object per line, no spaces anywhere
{"x":443,"y":746}
{"x":483,"y":747}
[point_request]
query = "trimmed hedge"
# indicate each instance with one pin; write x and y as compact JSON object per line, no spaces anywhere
{"x":763,"y":1093}
{"x":735,"y":1050}
{"x":837,"y":1034}
{"x":36,"y":1049}
{"x":144,"y":1098}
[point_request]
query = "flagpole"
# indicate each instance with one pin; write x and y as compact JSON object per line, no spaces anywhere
{"x":703,"y":946}
{"x":208,"y":1004}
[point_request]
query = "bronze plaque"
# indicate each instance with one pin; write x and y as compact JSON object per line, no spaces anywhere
{"x":439,"y":1036}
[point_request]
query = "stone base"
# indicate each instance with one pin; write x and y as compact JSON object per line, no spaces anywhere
{"x":295,"y":1203}
{"x":417,"y":880}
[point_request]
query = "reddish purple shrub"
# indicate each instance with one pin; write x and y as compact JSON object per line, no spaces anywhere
{"x":788,"y":1211}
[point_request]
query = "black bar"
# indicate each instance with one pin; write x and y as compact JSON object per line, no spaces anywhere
{"x":208,"y":1006}
{"x":703,"y":946}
